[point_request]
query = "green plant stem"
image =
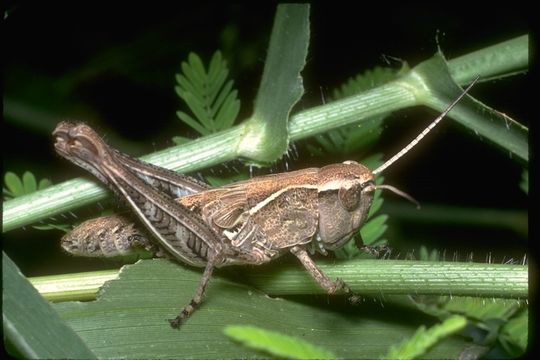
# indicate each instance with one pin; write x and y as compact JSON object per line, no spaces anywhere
{"x":380,"y":100}
{"x":392,"y":277}
{"x":77,"y":286}
{"x":217,"y":148}
{"x":369,"y":277}
{"x":504,"y":59}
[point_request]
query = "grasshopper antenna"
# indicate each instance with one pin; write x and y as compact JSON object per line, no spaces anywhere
{"x":423,"y":133}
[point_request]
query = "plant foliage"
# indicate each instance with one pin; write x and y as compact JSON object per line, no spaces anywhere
{"x":16,"y":186}
{"x":424,"y":338}
{"x":349,"y":140}
{"x":208,"y":94}
{"x":276,"y":343}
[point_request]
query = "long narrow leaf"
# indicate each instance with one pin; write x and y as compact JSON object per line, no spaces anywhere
{"x":228,"y":111}
{"x":223,"y":94}
{"x":192,"y":122}
{"x":215,"y":67}
{"x":205,"y":94}
{"x":31,"y":326}
{"x":197,"y":68}
{"x":267,"y":135}
{"x":424,"y":339}
{"x":129,"y":320}
{"x":275,"y":343}
{"x":199,"y":108}
{"x":216,"y":87}
{"x":193,"y":78}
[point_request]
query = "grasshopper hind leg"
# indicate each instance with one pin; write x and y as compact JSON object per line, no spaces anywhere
{"x":199,"y":294}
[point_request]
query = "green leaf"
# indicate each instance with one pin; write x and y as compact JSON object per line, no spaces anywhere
{"x":482,"y":310}
{"x":501,"y":320}
{"x":191,"y":75}
{"x":14,"y":184}
{"x":215,"y":67}
{"x":196,"y":69}
{"x":62,"y":227}
{"x":198,"y":108}
{"x":180,"y":140}
{"x":208,"y":94}
{"x":373,"y":229}
{"x":184,"y":86}
{"x":228,"y":111}
{"x":266,"y":138}
{"x":192,"y":122}
{"x":425,"y":255}
{"x":44,"y":183}
{"x":423,"y":339}
{"x":129,"y":319}
{"x":377,"y":198}
{"x":515,"y":334}
{"x":276,"y":343}
{"x":29,"y":181}
{"x":368,"y":80}
{"x":31,"y":326}
{"x":17,"y":187}
{"x":216,"y":88}
{"x":224,"y":94}
{"x":220,"y":181}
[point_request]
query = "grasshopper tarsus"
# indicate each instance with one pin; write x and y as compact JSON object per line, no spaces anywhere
{"x":186,"y":312}
{"x":342,"y":287}
{"x":175,"y":323}
{"x":354,"y":299}
{"x":379,"y":251}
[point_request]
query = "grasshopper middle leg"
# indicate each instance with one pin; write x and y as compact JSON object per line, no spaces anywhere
{"x":331,"y":287}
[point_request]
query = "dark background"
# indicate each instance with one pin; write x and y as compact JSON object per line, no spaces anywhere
{"x":114,"y":68}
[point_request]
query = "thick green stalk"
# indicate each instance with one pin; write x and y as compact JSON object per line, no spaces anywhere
{"x":71,"y":287}
{"x":380,"y":100}
{"x":502,"y":59}
{"x":369,"y":277}
{"x":381,"y":277}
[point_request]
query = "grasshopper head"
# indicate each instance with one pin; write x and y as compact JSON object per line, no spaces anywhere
{"x":81,"y":145}
{"x":345,"y":196}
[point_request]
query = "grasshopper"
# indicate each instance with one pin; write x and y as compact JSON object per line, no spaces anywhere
{"x":248,"y":222}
